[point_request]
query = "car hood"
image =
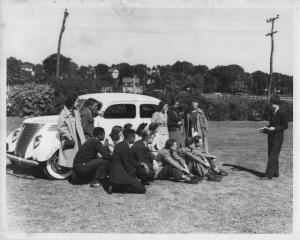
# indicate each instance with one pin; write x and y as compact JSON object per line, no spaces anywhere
{"x":43,"y":119}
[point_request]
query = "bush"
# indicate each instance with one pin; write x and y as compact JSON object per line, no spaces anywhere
{"x":30,"y":100}
{"x":229,"y":108}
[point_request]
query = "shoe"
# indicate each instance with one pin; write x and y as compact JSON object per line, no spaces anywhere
{"x":197,"y":178}
{"x":275,"y":175}
{"x":222,"y":173}
{"x":145,"y":182}
{"x":265,"y":178}
{"x":191,"y":181}
{"x":95,"y":183}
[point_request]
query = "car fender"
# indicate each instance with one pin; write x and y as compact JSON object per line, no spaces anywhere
{"x":11,"y":145}
{"x":49,"y":144}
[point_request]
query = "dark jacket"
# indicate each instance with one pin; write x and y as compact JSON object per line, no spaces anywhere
{"x":173,"y":119}
{"x":141,"y":153}
{"x":122,"y":167}
{"x":279,"y":121}
{"x":87,"y":121}
{"x":90,"y":149}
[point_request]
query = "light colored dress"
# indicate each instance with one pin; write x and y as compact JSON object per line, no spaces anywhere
{"x":162,"y":132}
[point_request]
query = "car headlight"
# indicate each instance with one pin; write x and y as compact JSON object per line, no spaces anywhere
{"x":15,"y":135}
{"x":37,"y":141}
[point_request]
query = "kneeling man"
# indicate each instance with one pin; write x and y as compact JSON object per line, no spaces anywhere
{"x":92,"y":159}
{"x":144,"y":157}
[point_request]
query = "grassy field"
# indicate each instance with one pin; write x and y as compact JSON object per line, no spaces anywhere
{"x":241,"y":203}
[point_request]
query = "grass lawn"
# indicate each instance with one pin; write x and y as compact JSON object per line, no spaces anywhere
{"x":241,"y":203}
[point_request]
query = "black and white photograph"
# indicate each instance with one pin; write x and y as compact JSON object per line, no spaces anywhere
{"x":149,"y":117}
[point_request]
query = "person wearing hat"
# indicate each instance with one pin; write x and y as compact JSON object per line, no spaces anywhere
{"x":278,"y":123}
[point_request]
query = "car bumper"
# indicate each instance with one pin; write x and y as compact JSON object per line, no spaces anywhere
{"x":22,"y":161}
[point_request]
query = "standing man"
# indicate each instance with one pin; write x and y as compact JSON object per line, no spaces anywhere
{"x":278,"y":123}
{"x":89,"y":111}
{"x":175,"y":123}
{"x":197,"y":124}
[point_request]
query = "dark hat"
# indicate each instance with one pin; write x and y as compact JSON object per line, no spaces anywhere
{"x":275,"y":99}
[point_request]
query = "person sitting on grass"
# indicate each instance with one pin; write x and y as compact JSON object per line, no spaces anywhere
{"x":168,"y":165}
{"x":122,"y":172}
{"x":88,"y":164}
{"x":143,"y":157}
{"x":153,"y":127}
{"x":197,"y":164}
{"x":198,"y":150}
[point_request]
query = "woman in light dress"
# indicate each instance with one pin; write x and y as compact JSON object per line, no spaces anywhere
{"x":160,"y":117}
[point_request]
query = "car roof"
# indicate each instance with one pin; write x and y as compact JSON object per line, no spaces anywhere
{"x":116,"y":97}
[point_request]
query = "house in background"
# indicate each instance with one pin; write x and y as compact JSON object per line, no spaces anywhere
{"x":28,"y":67}
{"x":131,"y":85}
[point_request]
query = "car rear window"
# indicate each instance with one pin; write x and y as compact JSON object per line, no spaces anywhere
{"x":120,"y":111}
{"x":146,"y":110}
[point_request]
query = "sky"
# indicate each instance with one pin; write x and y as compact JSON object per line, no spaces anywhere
{"x":155,"y":32}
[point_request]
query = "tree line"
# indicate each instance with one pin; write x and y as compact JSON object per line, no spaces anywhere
{"x":181,"y":76}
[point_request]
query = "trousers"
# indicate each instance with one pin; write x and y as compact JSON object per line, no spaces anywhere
{"x":135,"y":187}
{"x":275,"y":141}
{"x":168,"y":172}
{"x":95,"y":168}
{"x":143,"y":175}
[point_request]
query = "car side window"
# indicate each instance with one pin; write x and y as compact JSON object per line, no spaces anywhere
{"x":120,"y":111}
{"x":146,"y":110}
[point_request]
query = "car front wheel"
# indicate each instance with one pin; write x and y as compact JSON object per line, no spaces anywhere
{"x":53,"y":171}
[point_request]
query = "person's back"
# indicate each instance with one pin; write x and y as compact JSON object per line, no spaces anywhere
{"x":90,"y":149}
{"x":122,"y":156}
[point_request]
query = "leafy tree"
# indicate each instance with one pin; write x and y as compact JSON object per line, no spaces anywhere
{"x":259,"y":82}
{"x":16,"y":74}
{"x":211,"y":83}
{"x":182,"y":67}
{"x":228,"y":77}
{"x":284,"y":83}
{"x":202,"y":69}
{"x":39,"y":76}
{"x":83,"y":71}
{"x":66,"y":65}
{"x":101,"y":69}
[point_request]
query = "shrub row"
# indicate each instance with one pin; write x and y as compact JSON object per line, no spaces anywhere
{"x":30,"y":100}
{"x":41,"y":99}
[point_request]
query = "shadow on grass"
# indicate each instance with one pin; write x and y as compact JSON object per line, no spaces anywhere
{"x":33,"y":173}
{"x":254,"y":172}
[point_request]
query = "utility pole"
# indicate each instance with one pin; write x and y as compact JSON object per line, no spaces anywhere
{"x":272,"y":50}
{"x":66,"y":14}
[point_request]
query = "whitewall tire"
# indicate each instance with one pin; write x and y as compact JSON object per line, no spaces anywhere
{"x":53,"y":171}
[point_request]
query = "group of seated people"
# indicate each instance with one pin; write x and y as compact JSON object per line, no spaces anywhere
{"x":130,"y":160}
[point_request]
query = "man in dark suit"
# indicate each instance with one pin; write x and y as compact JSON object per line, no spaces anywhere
{"x":122,"y":174}
{"x":87,"y":114}
{"x":144,"y":157}
{"x":278,"y":123}
{"x":88,"y":163}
